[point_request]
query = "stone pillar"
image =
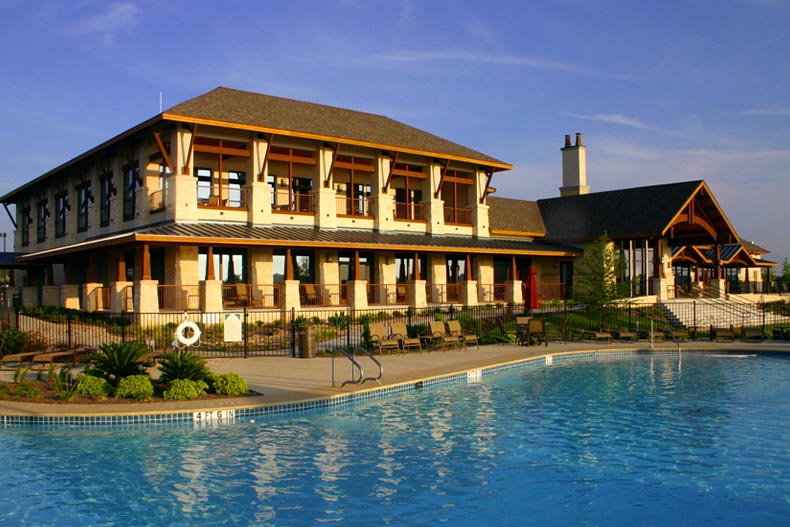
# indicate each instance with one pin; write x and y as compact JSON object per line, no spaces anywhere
{"x":384,"y":201}
{"x":50,"y":296}
{"x":70,"y":296}
{"x":29,"y":296}
{"x":326,"y":208}
{"x":469,"y":292}
{"x":357,"y":294}
{"x":718,"y":288}
{"x":417,"y":294}
{"x":480,"y":221}
{"x":91,"y":297}
{"x":291,"y":297}
{"x":211,"y":296}
{"x":146,"y":296}
{"x":514,"y":292}
{"x":660,"y":287}
{"x":118,"y":298}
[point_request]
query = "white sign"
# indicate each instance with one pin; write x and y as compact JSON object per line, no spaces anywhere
{"x":232,"y":328}
{"x":474,"y":376}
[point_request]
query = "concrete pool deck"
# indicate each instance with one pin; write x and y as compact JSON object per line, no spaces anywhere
{"x":287,"y":380}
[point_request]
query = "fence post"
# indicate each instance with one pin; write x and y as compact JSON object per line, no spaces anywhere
{"x":293,"y":332}
{"x":68,"y":331}
{"x":348,"y":330}
{"x":244,"y":331}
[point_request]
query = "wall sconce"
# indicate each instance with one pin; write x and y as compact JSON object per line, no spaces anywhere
{"x":388,"y":260}
{"x":329,"y":258}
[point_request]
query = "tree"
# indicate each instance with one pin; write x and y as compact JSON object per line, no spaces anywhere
{"x":597,"y":284}
{"x":785,"y":271}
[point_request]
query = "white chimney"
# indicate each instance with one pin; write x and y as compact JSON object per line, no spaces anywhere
{"x":574,"y":168}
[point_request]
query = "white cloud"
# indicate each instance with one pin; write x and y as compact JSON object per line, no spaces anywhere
{"x":773,"y":111}
{"x":614,"y":118}
{"x":116,"y":16}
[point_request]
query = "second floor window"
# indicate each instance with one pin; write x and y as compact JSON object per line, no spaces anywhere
{"x":61,"y":207}
{"x":42,"y":214}
{"x":106,"y":192}
{"x":25,"y":225}
{"x":83,"y":205}
{"x":129,"y":191}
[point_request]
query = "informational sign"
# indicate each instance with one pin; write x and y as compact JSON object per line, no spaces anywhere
{"x":232,"y":324}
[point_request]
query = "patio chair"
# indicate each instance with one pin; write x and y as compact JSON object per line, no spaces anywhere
{"x":309,"y":295}
{"x":536,"y":330}
{"x":593,"y":334}
{"x":508,"y":336}
{"x":440,"y":336}
{"x":623,"y":334}
{"x":753,"y":334}
{"x":560,"y":333}
{"x":381,"y":339}
{"x":468,"y":337}
{"x":522,"y":327}
{"x":400,"y":333}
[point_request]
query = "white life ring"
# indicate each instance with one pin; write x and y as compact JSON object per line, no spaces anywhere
{"x":185,"y":328}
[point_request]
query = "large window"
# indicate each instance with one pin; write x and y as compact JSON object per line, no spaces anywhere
{"x":42,"y":213}
{"x":408,"y":185}
{"x":236,"y":182}
{"x":83,"y":206}
{"x":404,"y":267}
{"x":61,"y":206}
{"x":26,"y":220}
{"x":291,"y":178}
{"x":203,"y":176}
{"x":129,"y":191}
{"x":230,"y":265}
{"x":455,"y":194}
{"x":352,"y":178}
{"x":106,"y":192}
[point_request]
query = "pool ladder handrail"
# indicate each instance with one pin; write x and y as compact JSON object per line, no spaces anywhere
{"x":356,"y":366}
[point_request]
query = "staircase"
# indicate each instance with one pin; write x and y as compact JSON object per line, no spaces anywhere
{"x":716,"y":312}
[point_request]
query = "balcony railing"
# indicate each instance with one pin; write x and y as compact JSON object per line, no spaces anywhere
{"x":552,"y":290}
{"x":179,"y":297}
{"x":231,"y":198}
{"x":323,"y":294}
{"x":157,"y":201}
{"x":388,"y":294}
{"x":458,"y":216}
{"x":254,"y":296}
{"x":445,"y":294}
{"x":493,"y":293}
{"x":354,"y":206}
{"x":285,"y":202}
{"x":409,"y":211}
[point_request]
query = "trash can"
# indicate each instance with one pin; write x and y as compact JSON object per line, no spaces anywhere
{"x":307,"y":342}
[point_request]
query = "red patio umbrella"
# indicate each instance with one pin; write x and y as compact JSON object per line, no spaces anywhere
{"x":531,"y":299}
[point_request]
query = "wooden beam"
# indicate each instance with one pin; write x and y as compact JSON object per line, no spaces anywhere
{"x":289,"y":265}
{"x":262,"y":173}
{"x":489,"y":177}
{"x":417,"y":273}
{"x":146,"y":275}
{"x":331,"y":166}
{"x":357,"y":270}
{"x":186,"y":170}
{"x":392,"y":170}
{"x":441,"y":180}
{"x":163,"y":150}
{"x":211,"y":272}
{"x":120,"y":266}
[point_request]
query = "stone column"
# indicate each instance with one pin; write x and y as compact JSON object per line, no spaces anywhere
{"x":146,"y":296}
{"x":357,"y":294}
{"x":211,"y":296}
{"x":118,"y":300}
{"x":469,"y":292}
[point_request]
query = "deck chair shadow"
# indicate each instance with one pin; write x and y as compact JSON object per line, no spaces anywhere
{"x":467,"y":337}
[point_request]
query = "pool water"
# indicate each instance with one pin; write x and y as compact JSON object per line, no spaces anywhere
{"x":642,"y":440}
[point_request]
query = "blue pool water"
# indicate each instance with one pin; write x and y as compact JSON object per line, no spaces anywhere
{"x":640,"y":440}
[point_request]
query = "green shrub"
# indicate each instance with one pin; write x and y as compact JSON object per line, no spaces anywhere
{"x":230,"y":384}
{"x":26,"y":389}
{"x":185,"y":390}
{"x":92,"y":386}
{"x":183,"y":364}
{"x":117,"y":360}
{"x":12,"y":341}
{"x":4,"y":389}
{"x":135,"y":387}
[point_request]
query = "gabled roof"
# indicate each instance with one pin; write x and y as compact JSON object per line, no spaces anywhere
{"x":266,"y":113}
{"x":684,"y":212}
{"x":515,"y":217}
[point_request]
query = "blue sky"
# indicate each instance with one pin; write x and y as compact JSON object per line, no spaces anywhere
{"x":662,"y":91}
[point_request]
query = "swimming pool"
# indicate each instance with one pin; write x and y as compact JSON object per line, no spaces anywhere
{"x":612,"y":441}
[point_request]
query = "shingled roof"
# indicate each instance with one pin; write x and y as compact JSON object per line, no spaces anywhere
{"x":515,"y":216}
{"x":627,"y":213}
{"x":299,"y":118}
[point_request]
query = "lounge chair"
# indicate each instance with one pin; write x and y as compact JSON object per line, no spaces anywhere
{"x":468,"y":337}
{"x":651,"y":335}
{"x":594,"y":334}
{"x":623,"y":334}
{"x":679,"y":334}
{"x":441,"y":337}
{"x":381,"y":339}
{"x":17,"y":359}
{"x":400,"y":333}
{"x":753,"y":334}
{"x":722,"y":333}
{"x":43,"y":361}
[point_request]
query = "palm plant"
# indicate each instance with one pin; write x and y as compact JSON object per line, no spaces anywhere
{"x":182,"y":364}
{"x":117,"y":360}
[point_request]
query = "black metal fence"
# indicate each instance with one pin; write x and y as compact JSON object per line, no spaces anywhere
{"x":277,"y":333}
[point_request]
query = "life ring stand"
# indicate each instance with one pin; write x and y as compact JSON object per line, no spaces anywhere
{"x":187,"y":333}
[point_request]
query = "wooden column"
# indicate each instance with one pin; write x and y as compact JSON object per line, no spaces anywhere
{"x":289,"y":266}
{"x":211,"y":273}
{"x":513,"y":269}
{"x":357,"y":272}
{"x":146,"y":275}
{"x":120,"y":262}
{"x":717,"y":261}
{"x":417,"y":266}
{"x":469,"y":274}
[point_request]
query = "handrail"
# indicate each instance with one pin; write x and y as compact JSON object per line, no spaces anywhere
{"x":354,"y":364}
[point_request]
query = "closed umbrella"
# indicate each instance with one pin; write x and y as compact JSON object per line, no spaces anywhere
{"x":531,"y":299}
